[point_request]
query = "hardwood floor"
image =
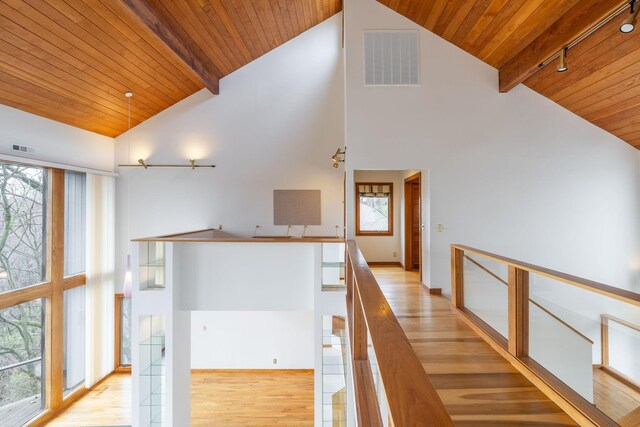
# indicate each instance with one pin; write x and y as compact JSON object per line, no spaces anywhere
{"x":615,"y":398}
{"x":109,"y":404}
{"x":252,"y":398}
{"x":218,"y":398}
{"x":477,"y":386}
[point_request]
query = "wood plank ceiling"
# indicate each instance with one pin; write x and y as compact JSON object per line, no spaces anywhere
{"x":602,"y":84}
{"x":72,"y":60}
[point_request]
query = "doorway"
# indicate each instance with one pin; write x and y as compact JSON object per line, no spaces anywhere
{"x":413,"y":223}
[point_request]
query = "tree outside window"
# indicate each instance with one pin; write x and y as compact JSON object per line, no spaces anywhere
{"x":22,"y":263}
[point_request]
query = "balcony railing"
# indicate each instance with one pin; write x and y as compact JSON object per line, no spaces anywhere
{"x":403,"y":391}
{"x":576,"y":339}
{"x":24,"y":401}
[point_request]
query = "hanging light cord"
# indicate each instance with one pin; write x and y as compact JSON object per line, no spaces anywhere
{"x":128,"y":95}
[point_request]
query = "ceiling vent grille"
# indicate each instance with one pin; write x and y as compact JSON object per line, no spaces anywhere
{"x":391,"y":58}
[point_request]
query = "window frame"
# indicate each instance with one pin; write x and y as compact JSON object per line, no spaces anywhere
{"x":51,"y":290}
{"x":389,"y":232}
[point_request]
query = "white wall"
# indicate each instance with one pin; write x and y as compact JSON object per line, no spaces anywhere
{"x":513,"y":174}
{"x":245,"y":276}
{"x":53,"y":141}
{"x":275,"y":125}
{"x":382,"y":248}
{"x":252,"y":339}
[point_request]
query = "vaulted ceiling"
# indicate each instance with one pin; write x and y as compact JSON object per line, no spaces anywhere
{"x":73,"y":60}
{"x":516,"y":36}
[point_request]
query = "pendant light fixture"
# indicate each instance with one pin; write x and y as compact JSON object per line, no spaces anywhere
{"x":629,"y":24}
{"x":128,"y":281}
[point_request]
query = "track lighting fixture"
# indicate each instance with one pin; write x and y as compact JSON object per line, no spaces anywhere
{"x":562,"y":66}
{"x":192,"y":165}
{"x":629,"y":24}
{"x":336,"y":157}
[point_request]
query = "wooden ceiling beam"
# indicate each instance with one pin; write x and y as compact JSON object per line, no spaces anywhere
{"x":578,"y":20}
{"x":183,"y":49}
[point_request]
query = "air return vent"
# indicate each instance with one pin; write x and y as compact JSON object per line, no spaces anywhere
{"x":391,"y":58}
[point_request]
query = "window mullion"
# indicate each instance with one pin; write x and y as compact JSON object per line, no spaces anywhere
{"x":55,"y":313}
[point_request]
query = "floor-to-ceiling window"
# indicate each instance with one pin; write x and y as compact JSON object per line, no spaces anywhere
{"x":42,"y":302}
{"x":23,"y":264}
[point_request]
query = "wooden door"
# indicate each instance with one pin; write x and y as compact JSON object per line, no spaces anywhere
{"x":413,"y":223}
{"x":416,"y":227}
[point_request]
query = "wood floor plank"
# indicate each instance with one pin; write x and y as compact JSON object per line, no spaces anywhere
{"x":478,"y":386}
{"x":613,"y":397}
{"x":252,"y":398}
{"x":218,"y":398}
{"x":108,"y":404}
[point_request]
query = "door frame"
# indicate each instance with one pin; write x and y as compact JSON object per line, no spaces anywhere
{"x":408,"y":220}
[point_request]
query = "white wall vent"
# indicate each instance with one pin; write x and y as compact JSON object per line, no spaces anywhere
{"x":22,"y":148}
{"x":391,"y":58}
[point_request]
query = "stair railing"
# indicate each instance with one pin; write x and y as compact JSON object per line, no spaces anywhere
{"x":544,"y":322}
{"x":404,"y":392}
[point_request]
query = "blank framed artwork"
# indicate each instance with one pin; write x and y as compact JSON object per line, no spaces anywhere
{"x":296,"y":207}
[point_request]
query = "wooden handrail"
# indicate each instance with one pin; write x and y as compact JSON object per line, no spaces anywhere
{"x":621,"y":321}
{"x":501,"y":280}
{"x":590,"y":285}
{"x":412,"y":399}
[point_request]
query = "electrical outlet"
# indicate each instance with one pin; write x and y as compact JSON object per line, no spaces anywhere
{"x":440,"y":228}
{"x":275,"y":361}
{"x":395,"y":254}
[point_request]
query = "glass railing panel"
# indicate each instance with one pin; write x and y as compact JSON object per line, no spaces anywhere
{"x":333,"y":266}
{"x":563,"y":352}
{"x":334,"y":391}
{"x":566,"y":329}
{"x":617,"y":383}
{"x":486,"y":291}
{"x":377,"y":382}
{"x":624,"y":347}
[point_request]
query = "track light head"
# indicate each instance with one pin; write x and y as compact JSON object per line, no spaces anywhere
{"x":336,"y":158}
{"x":629,"y":24}
{"x":562,"y":66}
{"x":143,"y":163}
